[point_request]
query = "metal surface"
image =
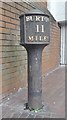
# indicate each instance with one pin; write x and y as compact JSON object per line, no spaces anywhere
{"x":34,"y":28}
{"x":35,"y":76}
{"x":35,"y":35}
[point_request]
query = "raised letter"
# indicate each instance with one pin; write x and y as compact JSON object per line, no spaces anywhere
{"x":29,"y":18}
{"x":42,"y":28}
{"x":42,"y":18}
{"x":46,"y":19}
{"x":45,"y":38}
{"x":37,"y":18}
{"x":36,"y":38}
{"x":37,"y":28}
{"x":40,"y":38}
{"x":30,"y":38}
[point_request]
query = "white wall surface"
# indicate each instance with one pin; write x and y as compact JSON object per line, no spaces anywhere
{"x":57,"y":9}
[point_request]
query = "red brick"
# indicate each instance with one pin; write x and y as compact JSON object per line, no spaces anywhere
{"x":16,"y":22}
{"x":10,"y":14}
{"x":2,"y":24}
{"x":4,"y":18}
{"x":4,"y":30}
{"x":8,"y":25}
{"x":0,"y":60}
{"x":5,"y":6}
{"x":2,"y":11}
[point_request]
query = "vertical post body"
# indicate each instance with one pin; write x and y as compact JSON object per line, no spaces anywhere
{"x":35,"y":76}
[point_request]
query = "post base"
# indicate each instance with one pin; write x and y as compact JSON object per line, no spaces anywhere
{"x":32,"y":109}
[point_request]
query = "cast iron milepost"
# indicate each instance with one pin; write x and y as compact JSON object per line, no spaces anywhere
{"x":35,"y":35}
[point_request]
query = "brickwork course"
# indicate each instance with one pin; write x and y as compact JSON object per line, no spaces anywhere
{"x":13,"y":57}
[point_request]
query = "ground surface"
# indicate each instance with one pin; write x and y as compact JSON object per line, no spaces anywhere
{"x":53,"y":99}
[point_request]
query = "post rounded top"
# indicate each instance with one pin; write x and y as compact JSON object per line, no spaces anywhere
{"x":35,"y":12}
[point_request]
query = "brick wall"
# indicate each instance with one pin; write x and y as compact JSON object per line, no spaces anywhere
{"x":13,"y":57}
{"x":51,"y":54}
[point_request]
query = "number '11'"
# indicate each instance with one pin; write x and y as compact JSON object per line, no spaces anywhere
{"x":40,"y":29}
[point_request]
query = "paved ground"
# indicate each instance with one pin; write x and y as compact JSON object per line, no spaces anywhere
{"x":53,"y":99}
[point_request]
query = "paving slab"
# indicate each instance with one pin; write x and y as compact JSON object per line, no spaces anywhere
{"x":53,"y":97}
